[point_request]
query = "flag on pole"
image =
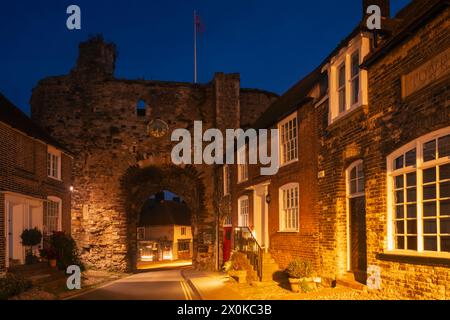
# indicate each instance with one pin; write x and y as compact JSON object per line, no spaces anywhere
{"x":198,"y":28}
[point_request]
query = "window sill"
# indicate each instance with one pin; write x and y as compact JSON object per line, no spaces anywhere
{"x":288,"y":163}
{"x":288,"y":231}
{"x":428,"y":259}
{"x":55,"y":179}
{"x":345,"y":114}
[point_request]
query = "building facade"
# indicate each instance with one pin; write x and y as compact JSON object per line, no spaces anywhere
{"x":370,"y":167}
{"x":35,"y":180}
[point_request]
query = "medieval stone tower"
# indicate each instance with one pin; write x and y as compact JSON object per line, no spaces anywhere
{"x":107,"y":123}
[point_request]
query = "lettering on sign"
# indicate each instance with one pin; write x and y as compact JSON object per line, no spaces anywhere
{"x":433,"y":70}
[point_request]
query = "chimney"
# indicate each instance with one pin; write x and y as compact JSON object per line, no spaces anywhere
{"x":384,"y":5}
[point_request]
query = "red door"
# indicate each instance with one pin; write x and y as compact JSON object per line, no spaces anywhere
{"x":227,"y":231}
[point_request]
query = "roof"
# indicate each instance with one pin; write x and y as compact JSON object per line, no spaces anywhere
{"x":408,"y":20}
{"x":165,"y":212}
{"x":15,"y":118}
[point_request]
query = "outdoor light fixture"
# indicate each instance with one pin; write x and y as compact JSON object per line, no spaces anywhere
{"x":71,"y":188}
{"x":268,"y":198}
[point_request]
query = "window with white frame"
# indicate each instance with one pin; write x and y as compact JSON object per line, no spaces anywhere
{"x":354,"y":78}
{"x":54,"y":163}
{"x":356,"y":180}
{"x":228,"y":221}
{"x":289,"y":214}
{"x":52,"y":216}
{"x":243,"y":209}
{"x":226,"y":180}
{"x":341,"y":88}
{"x":347,"y":81}
{"x":242,"y":165}
{"x":288,"y":139}
{"x":419,"y":195}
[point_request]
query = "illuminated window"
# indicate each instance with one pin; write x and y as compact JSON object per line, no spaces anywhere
{"x":140,"y":233}
{"x":243,"y":208}
{"x":289,"y":199}
{"x":242,"y":165}
{"x":228,"y":221}
{"x":288,"y":139}
{"x":52,"y":216}
{"x":54,"y":163}
{"x":420,"y":195}
{"x":183,"y":246}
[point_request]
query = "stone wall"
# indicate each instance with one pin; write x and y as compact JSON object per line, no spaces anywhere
{"x":95,"y":115}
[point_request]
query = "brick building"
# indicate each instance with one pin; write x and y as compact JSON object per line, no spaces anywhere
{"x":369,"y":166}
{"x":35,"y":180}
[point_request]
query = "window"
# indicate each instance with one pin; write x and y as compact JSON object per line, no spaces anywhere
{"x":354,"y":80}
{"x":183,"y":246}
{"x":228,"y":221}
{"x":226,"y":180}
{"x":141,"y":108}
{"x":52,"y":216}
{"x":183,"y":231}
{"x":348,"y":83}
{"x":288,"y":139}
{"x":341,"y":89}
{"x":54,"y":163}
{"x":420,"y":195}
{"x":243,"y":209}
{"x":242,"y":165}
{"x":140,"y":233}
{"x":356,"y":180}
{"x":289,"y":208}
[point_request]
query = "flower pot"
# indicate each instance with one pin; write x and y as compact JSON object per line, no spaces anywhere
{"x":295,"y":284}
{"x":308,"y":284}
{"x":240,"y":275}
{"x":52,"y":263}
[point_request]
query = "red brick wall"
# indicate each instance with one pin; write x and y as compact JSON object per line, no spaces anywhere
{"x":23,"y":170}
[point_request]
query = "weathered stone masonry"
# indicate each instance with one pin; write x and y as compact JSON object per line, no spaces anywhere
{"x":95,"y":115}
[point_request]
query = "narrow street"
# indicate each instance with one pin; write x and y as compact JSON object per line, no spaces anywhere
{"x":167,"y":284}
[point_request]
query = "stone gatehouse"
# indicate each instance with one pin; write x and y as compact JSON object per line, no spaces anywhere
{"x":119,"y":131}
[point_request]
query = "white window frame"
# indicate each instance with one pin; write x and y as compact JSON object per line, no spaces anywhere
{"x":242,"y":166}
{"x":244,"y":211}
{"x":285,"y":144}
{"x":282,"y":208}
{"x":52,"y":155}
{"x":360,"y":44}
{"x":352,"y":78}
{"x":226,"y":179}
{"x":418,"y":169}
{"x":45,"y":215}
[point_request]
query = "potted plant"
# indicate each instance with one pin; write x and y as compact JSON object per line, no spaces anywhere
{"x":31,"y":238}
{"x":300,"y":274}
{"x":238,"y":267}
{"x":51,"y":256}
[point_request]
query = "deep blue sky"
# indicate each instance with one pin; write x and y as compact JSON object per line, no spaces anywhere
{"x":272,"y":44}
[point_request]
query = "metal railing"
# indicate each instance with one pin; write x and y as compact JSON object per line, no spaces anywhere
{"x":245,"y":242}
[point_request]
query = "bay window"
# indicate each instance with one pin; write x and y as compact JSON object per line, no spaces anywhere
{"x":419,"y":195}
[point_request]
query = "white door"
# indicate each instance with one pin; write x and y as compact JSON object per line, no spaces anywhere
{"x":261,"y":215}
{"x":15,"y":228}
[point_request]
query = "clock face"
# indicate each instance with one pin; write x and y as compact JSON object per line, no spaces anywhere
{"x":158,"y":128}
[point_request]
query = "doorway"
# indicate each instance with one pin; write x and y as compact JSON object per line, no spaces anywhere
{"x":260,"y":215}
{"x":356,"y":222}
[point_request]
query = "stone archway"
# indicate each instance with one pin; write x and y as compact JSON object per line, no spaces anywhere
{"x":139,"y":183}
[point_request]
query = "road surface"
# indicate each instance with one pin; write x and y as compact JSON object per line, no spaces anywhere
{"x":166,"y":284}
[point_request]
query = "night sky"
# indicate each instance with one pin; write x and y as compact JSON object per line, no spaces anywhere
{"x":272,"y":44}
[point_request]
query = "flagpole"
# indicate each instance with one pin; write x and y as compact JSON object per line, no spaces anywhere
{"x":195,"y":47}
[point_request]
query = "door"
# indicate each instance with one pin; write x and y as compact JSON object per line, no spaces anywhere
{"x":227,"y":232}
{"x":356,"y":222}
{"x":260,"y":214}
{"x":358,"y":257}
{"x":15,"y":227}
